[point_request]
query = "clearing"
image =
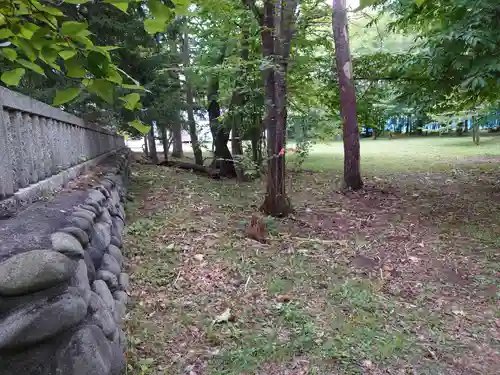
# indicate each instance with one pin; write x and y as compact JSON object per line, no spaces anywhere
{"x":401,"y":277}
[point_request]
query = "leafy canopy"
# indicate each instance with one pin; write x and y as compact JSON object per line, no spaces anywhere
{"x":40,"y":37}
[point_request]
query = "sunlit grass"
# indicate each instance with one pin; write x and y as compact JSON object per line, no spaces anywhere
{"x":415,"y":154}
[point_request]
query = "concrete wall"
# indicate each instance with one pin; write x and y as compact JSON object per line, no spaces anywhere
{"x":38,"y":141}
{"x":62,"y":306}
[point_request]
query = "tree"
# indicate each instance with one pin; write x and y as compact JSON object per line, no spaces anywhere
{"x":198,"y":157}
{"x":277,"y":20}
{"x":352,"y":174}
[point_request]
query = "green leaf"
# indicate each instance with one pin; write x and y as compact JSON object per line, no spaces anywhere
{"x":48,"y":19}
{"x":102,"y":88}
{"x":160,"y":11}
{"x":64,"y":96}
{"x":134,"y":87}
{"x":26,"y":47}
{"x":84,"y":40}
{"x":9,"y":53}
{"x":67,"y":54}
{"x":72,"y":28}
{"x":5,"y":33}
{"x":114,"y":76}
{"x":49,"y":55}
{"x":153,"y":26}
{"x":181,"y":7}
{"x":122,"y":5}
{"x":364,"y":4}
{"x":53,"y":11}
{"x":420,"y":2}
{"x":28,"y":29}
{"x":13,"y":77}
{"x":131,"y":100}
{"x":137,"y":124}
{"x":76,"y":1}
{"x":32,"y":66}
{"x":98,"y":64}
{"x":74,"y":68}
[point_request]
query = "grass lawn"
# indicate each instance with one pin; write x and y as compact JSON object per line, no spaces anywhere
{"x":421,"y":154}
{"x":401,"y":277}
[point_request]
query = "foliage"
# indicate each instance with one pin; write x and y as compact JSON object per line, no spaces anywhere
{"x":456,"y":54}
{"x":41,"y":38}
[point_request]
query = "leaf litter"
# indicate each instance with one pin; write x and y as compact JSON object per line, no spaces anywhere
{"x":387,"y":280}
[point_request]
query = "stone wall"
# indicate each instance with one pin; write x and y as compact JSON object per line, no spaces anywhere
{"x":61,"y":308}
{"x":38,"y":141}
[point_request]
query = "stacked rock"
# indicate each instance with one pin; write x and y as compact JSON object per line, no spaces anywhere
{"x":62,"y":309}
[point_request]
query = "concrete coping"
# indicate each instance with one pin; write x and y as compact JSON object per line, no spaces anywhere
{"x":17,"y":101}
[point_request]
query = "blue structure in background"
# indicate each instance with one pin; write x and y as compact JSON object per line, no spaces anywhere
{"x":399,"y":124}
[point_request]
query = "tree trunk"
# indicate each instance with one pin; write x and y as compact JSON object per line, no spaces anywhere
{"x":223,"y":161}
{"x":177,"y":151}
{"x":165,"y":142}
{"x":475,"y":132}
{"x":352,"y":175}
{"x":278,"y":16}
{"x":145,"y":146}
{"x":152,"y":146}
{"x":198,"y":157}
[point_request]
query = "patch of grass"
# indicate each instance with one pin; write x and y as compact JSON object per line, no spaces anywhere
{"x":143,"y":227}
{"x":366,"y":326}
{"x":410,"y":154}
{"x":280,"y":286}
{"x":291,"y":333}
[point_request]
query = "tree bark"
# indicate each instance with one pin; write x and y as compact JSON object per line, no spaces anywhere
{"x":475,"y":132}
{"x":278,"y":16}
{"x":239,"y":100}
{"x":176,"y":127}
{"x":152,"y":146}
{"x":352,"y":174}
{"x":165,"y":142}
{"x":223,"y":160}
{"x":198,"y":157}
{"x":145,"y":146}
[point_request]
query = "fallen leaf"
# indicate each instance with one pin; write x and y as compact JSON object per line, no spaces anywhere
{"x":171,"y":246}
{"x":224,"y":317}
{"x":413,"y":259}
{"x":199,"y":257}
{"x":458,"y":312}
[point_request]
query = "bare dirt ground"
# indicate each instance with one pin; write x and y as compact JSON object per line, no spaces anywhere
{"x":401,"y":277}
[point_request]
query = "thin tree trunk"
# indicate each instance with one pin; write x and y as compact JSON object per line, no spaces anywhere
{"x":198,"y":157}
{"x":152,"y":146}
{"x":236,"y":122}
{"x":145,"y":146}
{"x":223,"y":160}
{"x":475,"y":132}
{"x":239,"y":100}
{"x":352,"y":174}
{"x":177,"y":151}
{"x":165,"y":142}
